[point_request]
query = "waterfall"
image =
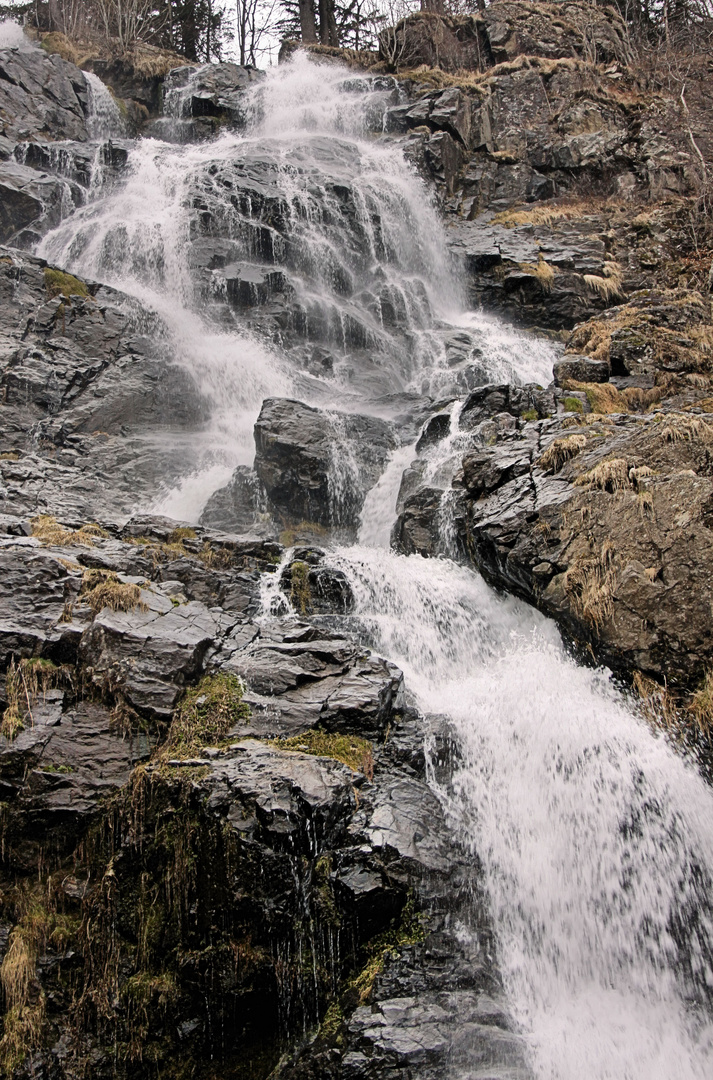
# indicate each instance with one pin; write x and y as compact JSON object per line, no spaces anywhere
{"x":103,"y":119}
{"x":595,"y":837}
{"x":305,"y":257}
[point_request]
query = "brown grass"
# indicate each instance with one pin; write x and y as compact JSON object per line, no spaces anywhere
{"x":561,"y":451}
{"x":611,"y":475}
{"x":590,"y":583}
{"x":679,"y":428}
{"x":25,"y":683}
{"x":102,"y":589}
{"x":48,"y":531}
{"x":701,"y":706}
{"x":542,"y":215}
{"x":609,"y":286}
{"x":541,"y":270}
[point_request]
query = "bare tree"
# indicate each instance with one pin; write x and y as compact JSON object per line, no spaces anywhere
{"x":255,"y":19}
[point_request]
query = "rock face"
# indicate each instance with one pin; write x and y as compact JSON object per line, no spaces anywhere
{"x":41,"y":95}
{"x":318,"y":466}
{"x":602,"y":525}
{"x":269,"y":870}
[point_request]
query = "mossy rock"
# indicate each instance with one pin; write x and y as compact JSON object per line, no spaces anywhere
{"x":58,"y":283}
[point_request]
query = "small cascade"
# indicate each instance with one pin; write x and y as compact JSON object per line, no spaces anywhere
{"x":104,"y":121}
{"x":379,"y":509}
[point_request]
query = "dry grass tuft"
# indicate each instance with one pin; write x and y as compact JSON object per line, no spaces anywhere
{"x":25,"y":683}
{"x":656,"y":704}
{"x":542,"y":215}
{"x":639,"y":400}
{"x":561,"y":451}
{"x":679,"y":428}
{"x":541,"y":270}
{"x":611,"y":475}
{"x":610,"y":285}
{"x":102,"y":589}
{"x":701,"y":706}
{"x":590,"y":583}
{"x":603,"y":398}
{"x":352,"y":750}
{"x":48,"y":531}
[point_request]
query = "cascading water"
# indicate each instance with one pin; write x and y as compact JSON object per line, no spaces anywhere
{"x":104,"y":120}
{"x":595,"y":839}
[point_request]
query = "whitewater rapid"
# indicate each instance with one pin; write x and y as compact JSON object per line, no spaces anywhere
{"x":596,"y":840}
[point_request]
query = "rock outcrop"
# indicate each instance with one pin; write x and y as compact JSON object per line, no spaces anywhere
{"x":317,"y":466}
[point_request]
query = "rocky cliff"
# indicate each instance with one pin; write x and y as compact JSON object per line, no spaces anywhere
{"x":222,"y":851}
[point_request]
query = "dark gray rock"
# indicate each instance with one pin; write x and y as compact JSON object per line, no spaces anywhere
{"x":299,"y":676}
{"x":32,"y":201}
{"x":581,"y":369}
{"x":317,"y":466}
{"x":41,"y":95}
{"x":147,"y":658}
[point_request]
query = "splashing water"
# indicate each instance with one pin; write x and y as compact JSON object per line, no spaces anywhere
{"x":596,"y":839}
{"x":12,"y":36}
{"x":360,"y":251}
{"x":104,"y":119}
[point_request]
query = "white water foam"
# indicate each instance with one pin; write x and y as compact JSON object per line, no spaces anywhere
{"x":104,"y":121}
{"x":595,"y":837}
{"x":12,"y":36}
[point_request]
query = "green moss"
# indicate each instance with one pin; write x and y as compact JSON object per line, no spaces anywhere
{"x":181,"y":534}
{"x":300,"y":595}
{"x":573,"y":404}
{"x":58,"y":283}
{"x":206,"y":714}
{"x":529,"y":414}
{"x":63,"y":769}
{"x":351,"y":750}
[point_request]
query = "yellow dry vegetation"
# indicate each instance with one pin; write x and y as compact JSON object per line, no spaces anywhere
{"x":543,"y":215}
{"x":561,"y":451}
{"x":590,"y":583}
{"x":48,"y":531}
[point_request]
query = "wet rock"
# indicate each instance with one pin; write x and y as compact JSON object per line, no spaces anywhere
{"x":616,"y":559}
{"x":41,"y":95}
{"x":213,"y":90}
{"x":317,"y":466}
{"x":582,"y":369}
{"x":148,"y":657}
{"x":313,"y":587}
{"x":234,"y":508}
{"x":29,"y":200}
{"x":58,"y":772}
{"x":299,"y":676}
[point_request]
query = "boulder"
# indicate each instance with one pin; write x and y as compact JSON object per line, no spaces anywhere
{"x":581,"y":369}
{"x":299,"y":676}
{"x":318,"y":466}
{"x":42,"y":95}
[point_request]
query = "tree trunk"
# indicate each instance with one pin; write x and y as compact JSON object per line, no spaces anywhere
{"x":308,"y":24}
{"x":328,"y":33}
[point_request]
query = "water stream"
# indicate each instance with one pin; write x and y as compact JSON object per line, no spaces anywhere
{"x":595,"y":838}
